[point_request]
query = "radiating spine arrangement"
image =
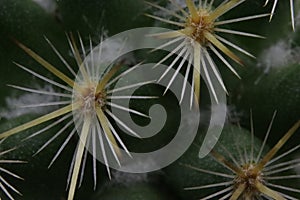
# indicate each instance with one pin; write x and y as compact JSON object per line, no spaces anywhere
{"x":199,"y":35}
{"x":252,"y":176}
{"x":86,"y":102}
{"x":5,"y":186}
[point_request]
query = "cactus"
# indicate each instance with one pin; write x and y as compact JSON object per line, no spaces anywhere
{"x":65,"y":85}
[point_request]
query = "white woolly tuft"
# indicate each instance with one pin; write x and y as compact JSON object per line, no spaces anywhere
{"x":233,"y":115}
{"x":14,"y":104}
{"x":277,"y":55}
{"x":128,"y":178}
{"x":48,"y":5}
